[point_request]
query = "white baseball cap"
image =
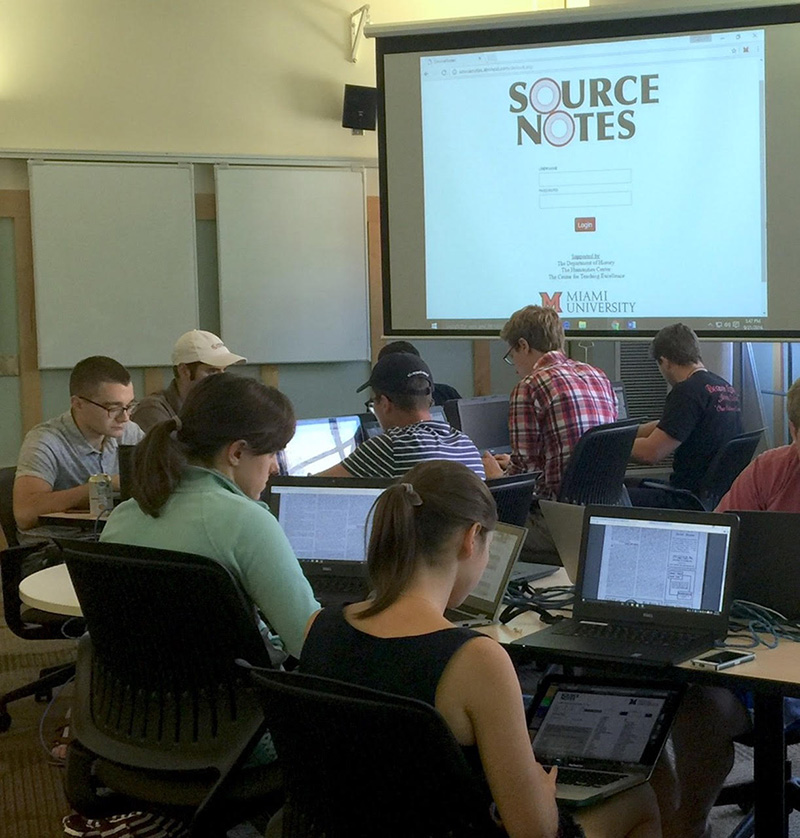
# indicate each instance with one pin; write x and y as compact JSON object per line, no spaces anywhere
{"x":204,"y":347}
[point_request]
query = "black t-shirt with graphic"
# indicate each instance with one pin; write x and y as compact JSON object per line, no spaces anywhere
{"x":702,"y":413}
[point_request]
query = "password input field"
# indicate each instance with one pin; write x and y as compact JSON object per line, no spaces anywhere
{"x":585,"y":200}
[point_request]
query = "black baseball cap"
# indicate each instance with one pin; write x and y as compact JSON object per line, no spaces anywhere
{"x":400,"y":372}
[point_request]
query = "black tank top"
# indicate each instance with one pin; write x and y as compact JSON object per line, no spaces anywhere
{"x":409,"y":666}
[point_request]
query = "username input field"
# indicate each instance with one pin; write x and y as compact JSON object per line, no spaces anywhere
{"x":592,"y":177}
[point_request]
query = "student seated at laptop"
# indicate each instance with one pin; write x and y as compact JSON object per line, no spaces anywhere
{"x":197,"y":481}
{"x":428,"y":548}
{"x":710,"y":720}
{"x":401,"y":401}
{"x":59,"y":456}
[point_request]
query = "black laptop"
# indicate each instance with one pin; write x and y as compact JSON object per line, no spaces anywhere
{"x":604,"y":735}
{"x":768,"y":568}
{"x":326,"y":520}
{"x":654,"y":586}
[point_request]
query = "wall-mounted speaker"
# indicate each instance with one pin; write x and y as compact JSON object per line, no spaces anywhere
{"x":359,"y":108}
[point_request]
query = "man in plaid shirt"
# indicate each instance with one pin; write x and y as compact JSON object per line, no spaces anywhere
{"x":554,"y":404}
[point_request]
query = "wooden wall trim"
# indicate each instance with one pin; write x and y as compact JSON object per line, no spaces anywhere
{"x":375,"y":276}
{"x":16,"y":204}
{"x":205,"y":207}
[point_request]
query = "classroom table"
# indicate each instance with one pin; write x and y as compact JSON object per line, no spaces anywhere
{"x":773,"y":674}
{"x":74,"y":517}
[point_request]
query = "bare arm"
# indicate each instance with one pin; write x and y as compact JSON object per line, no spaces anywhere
{"x":480,"y":697}
{"x":335,"y":471}
{"x":646,"y":428}
{"x":653,"y":448}
{"x":34,"y":497}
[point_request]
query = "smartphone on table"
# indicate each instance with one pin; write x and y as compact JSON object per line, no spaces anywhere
{"x":722,"y":658}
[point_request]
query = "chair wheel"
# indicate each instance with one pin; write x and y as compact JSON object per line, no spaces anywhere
{"x":43,"y":696}
{"x":5,"y":722}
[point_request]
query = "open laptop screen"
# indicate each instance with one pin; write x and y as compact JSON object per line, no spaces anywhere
{"x":319,"y":444}
{"x":658,"y":562}
{"x":325,"y":519}
{"x":572,"y":723}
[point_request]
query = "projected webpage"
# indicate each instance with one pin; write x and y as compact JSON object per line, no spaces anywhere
{"x":620,"y":180}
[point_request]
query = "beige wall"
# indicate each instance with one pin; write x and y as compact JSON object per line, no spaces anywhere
{"x":227,"y":77}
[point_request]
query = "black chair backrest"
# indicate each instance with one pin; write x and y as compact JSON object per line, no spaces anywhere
{"x":726,"y":466}
{"x":157,"y":685}
{"x":27,"y":623}
{"x":359,"y":762}
{"x":7,"y":521}
{"x":596,"y":468}
{"x":513,"y":496}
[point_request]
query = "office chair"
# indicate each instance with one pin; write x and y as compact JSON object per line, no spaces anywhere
{"x":596,"y":468}
{"x":7,"y":521}
{"x":728,"y":463}
{"x":32,"y":624}
{"x":743,"y":794}
{"x":513,"y":496}
{"x":359,"y":763}
{"x":162,"y":715}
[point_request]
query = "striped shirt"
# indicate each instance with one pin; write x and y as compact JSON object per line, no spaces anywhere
{"x":550,"y":409}
{"x":397,"y":450}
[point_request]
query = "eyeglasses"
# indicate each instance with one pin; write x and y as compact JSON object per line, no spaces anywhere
{"x":370,"y":405}
{"x":507,"y":357}
{"x":116,"y":410}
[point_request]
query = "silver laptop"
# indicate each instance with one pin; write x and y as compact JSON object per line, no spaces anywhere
{"x":484,"y":604}
{"x":604,"y":735}
{"x":565,"y":522}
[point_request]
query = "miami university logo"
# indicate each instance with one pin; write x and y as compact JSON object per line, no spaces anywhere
{"x":551,"y":302}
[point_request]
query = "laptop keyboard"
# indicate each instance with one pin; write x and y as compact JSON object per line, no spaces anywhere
{"x":633,"y":635}
{"x":589,"y":779}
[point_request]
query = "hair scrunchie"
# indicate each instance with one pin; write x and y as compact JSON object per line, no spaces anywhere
{"x":176,"y":421}
{"x":411,"y":494}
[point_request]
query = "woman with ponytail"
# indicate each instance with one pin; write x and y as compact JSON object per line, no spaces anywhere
{"x":197,"y":480}
{"x":428,"y":548}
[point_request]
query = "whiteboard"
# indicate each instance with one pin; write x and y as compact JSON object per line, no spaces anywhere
{"x":293,"y":263}
{"x":115,"y":260}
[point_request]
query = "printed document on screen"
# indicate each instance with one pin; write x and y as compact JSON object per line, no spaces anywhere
{"x":653,"y":565}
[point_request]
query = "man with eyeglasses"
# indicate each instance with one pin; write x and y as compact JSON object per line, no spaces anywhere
{"x":59,"y":456}
{"x":556,"y":401}
{"x":401,"y":387}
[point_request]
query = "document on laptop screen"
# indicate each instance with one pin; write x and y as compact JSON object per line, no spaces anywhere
{"x":503,"y":543}
{"x":326,"y":523}
{"x":658,"y":563}
{"x":602,"y":725}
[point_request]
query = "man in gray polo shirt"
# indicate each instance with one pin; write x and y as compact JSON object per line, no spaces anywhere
{"x":58,"y":457}
{"x":196,"y":355}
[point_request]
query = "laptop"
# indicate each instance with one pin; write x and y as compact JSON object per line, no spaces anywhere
{"x":318,"y":444}
{"x":604,"y":735}
{"x":622,"y":404}
{"x":327,"y":521}
{"x":484,"y":604}
{"x":654,"y":586}
{"x":767,"y":571}
{"x":565,"y":522}
{"x":484,"y":419}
